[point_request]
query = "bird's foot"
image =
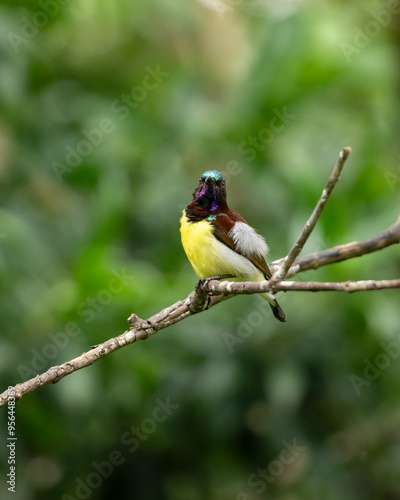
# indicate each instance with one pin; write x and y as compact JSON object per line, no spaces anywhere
{"x":203,"y":294}
{"x":202,"y":285}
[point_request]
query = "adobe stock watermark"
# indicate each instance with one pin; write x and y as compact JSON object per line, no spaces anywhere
{"x":255,"y":143}
{"x":392,"y":178}
{"x":31,"y":24}
{"x":260,"y":479}
{"x":87,"y":310}
{"x":264,"y":137}
{"x":130,"y":440}
{"x":221,"y":7}
{"x":12,"y":438}
{"x":122,"y":108}
{"x":246,"y":326}
{"x":380,"y":18}
{"x":261,"y":8}
{"x":372,"y":369}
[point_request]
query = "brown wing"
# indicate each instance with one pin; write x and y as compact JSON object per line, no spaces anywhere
{"x":223,"y":223}
{"x":259,"y":262}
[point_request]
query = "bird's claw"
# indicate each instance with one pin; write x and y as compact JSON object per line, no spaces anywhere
{"x":202,"y":285}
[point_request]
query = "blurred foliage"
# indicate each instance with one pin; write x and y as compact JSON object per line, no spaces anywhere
{"x":109,"y":112}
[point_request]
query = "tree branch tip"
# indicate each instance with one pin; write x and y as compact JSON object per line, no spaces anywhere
{"x":345,"y":152}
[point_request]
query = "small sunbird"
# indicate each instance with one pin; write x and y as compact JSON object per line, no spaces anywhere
{"x":218,"y":241}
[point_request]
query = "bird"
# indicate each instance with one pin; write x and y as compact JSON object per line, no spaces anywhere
{"x":219,"y":242}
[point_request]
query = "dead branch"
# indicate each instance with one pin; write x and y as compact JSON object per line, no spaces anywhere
{"x":215,"y":291}
{"x":249,"y":287}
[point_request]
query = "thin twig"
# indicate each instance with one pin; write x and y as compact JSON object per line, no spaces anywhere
{"x":251,"y":287}
{"x":310,"y":224}
{"x":315,"y":260}
{"x":335,"y":286}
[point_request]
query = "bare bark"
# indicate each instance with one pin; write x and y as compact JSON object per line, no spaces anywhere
{"x":249,"y":287}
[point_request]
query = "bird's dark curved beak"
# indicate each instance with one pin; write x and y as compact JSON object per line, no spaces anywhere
{"x":210,"y":181}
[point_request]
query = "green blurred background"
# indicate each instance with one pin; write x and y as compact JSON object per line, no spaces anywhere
{"x":109,"y":112}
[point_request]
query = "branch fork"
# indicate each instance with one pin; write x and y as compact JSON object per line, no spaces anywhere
{"x":213,"y":291}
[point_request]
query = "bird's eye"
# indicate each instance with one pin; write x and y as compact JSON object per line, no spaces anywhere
{"x":223,"y":184}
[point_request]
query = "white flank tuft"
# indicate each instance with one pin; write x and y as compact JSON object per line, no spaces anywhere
{"x":247,"y":241}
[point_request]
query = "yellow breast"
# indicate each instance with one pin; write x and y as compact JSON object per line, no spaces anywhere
{"x":199,"y":245}
{"x":197,"y":241}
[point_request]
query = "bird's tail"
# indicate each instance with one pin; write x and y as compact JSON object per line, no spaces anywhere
{"x":276,"y":308}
